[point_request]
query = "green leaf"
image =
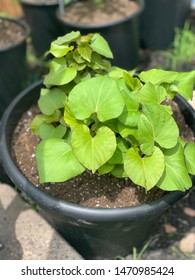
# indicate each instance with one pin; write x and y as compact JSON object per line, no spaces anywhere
{"x":125,"y":131}
{"x":59,"y":73}
{"x":69,"y":118}
{"x":55,"y":117}
{"x":78,"y":58}
{"x":144,"y":171}
{"x":98,"y":95}
{"x":50,"y":100}
{"x":97,"y":63}
{"x":104,"y":169}
{"x":99,"y":45}
{"x":189,"y":153}
{"x":69,"y":37}
{"x":85,"y":51}
{"x":95,"y":151}
{"x":146,"y":135}
{"x":133,"y":83}
{"x":158,"y":76}
{"x":130,"y":114}
{"x":150,"y":93}
{"x":56,"y":161}
{"x":118,"y":171}
{"x":175,"y":176}
{"x":47,"y":131}
{"x":60,"y":50}
{"x":35,"y":124}
{"x":185,"y":84}
{"x":156,"y":125}
{"x":116,"y":72}
{"x":120,"y":152}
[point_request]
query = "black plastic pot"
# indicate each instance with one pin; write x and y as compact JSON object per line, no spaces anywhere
{"x":122,"y":36}
{"x":159,"y":20}
{"x":94,"y":233}
{"x":12,"y":68}
{"x":41,"y":17}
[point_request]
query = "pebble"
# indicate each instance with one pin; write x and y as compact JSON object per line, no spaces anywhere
{"x":189,"y":211}
{"x":187,"y":244}
{"x":169,"y":228}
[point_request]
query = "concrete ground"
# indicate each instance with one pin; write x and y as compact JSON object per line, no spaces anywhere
{"x":25,"y":235}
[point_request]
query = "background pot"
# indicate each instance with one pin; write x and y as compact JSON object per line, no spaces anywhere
{"x":94,"y":233}
{"x":122,"y":36}
{"x":158,"y":22}
{"x":12,"y":68}
{"x":41,"y":17}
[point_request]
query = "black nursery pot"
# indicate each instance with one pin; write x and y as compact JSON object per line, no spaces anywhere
{"x":41,"y":17}
{"x":159,"y":20}
{"x":12,"y":68}
{"x":123,"y":36}
{"x":94,"y":233}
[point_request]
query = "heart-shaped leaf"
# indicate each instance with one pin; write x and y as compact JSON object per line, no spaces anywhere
{"x":50,"y":100}
{"x":59,"y":73}
{"x":56,"y":161}
{"x":150,"y":93}
{"x":98,"y":95}
{"x":144,"y":171}
{"x":47,"y":131}
{"x":157,"y":76}
{"x":93,"y":152}
{"x":156,"y":125}
{"x":175,"y":176}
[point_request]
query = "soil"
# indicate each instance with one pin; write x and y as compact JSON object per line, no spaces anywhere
{"x":10,"y":33}
{"x":88,"y":13}
{"x":86,"y":189}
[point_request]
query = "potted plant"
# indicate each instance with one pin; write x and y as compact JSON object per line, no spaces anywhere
{"x":41,"y":17}
{"x":156,"y":29}
{"x":103,"y":123}
{"x":13,"y":34}
{"x":117,"y":21}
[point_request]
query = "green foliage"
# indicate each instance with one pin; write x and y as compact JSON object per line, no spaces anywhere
{"x":182,"y":51}
{"x":99,"y":3}
{"x":183,"y":47}
{"x":102,"y":118}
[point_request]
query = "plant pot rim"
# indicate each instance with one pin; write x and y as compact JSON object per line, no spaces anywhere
{"x":60,"y":206}
{"x":39,"y":4}
{"x":24,"y":26}
{"x":102,"y":25}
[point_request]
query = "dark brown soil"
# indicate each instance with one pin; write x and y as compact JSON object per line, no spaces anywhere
{"x":88,"y":13}
{"x":10,"y":33}
{"x":86,"y":189}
